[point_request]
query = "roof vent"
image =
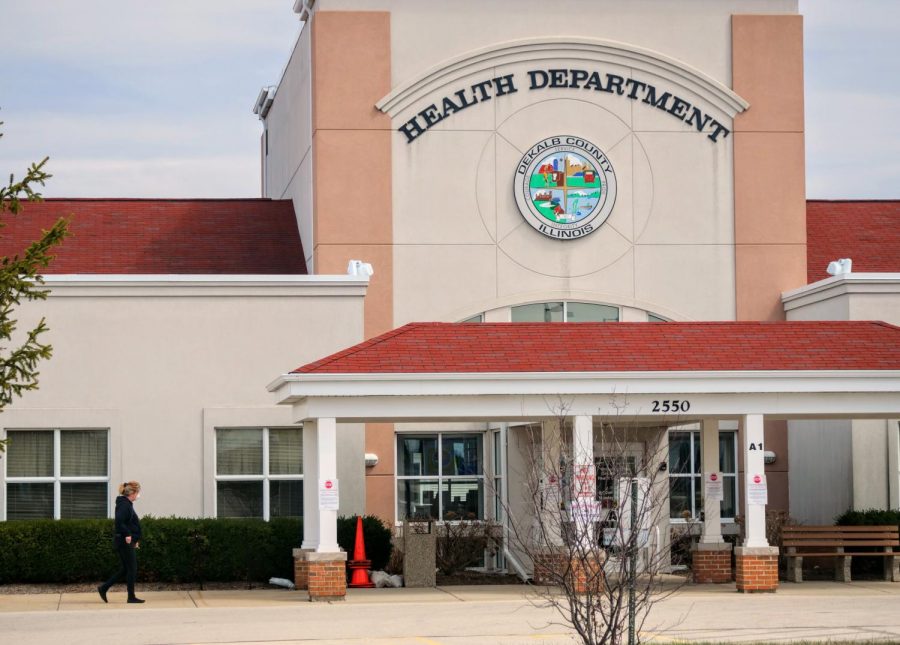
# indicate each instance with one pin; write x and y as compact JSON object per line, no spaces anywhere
{"x":840,"y":267}
{"x":264,"y":101}
{"x":358,"y":267}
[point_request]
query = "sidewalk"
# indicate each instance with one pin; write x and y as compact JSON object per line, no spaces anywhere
{"x":504,"y":615}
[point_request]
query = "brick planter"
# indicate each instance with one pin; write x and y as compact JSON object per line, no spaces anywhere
{"x":550,"y":567}
{"x":756,"y":569}
{"x":712,"y":563}
{"x":323,"y":575}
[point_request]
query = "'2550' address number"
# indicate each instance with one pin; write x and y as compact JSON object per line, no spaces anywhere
{"x":671,"y":405}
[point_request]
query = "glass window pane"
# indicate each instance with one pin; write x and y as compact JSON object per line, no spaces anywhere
{"x":29,"y":501}
{"x":83,"y":500}
{"x":698,"y":496}
{"x":82,"y":453}
{"x":477,"y":318}
{"x":587,"y":312}
{"x":652,"y":318}
{"x":417,"y":499}
{"x":698,"y":455}
{"x":679,"y":452}
{"x":497,"y":446}
{"x":680,"y":497}
{"x":728,"y":507}
{"x":286,"y":498}
{"x":498,"y":500}
{"x":239,"y":499}
{"x":460,"y":455}
{"x":29,"y":454}
{"x":286,"y":451}
{"x":417,"y":455}
{"x":239,"y":451}
{"x":461,"y":499}
{"x":726,"y":452}
{"x":538,"y":312}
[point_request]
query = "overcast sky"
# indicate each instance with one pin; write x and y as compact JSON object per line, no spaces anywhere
{"x":153,"y":99}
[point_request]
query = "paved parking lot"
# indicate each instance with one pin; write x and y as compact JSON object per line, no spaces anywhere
{"x":502,"y":615}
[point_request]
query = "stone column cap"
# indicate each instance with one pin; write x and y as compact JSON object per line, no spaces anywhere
{"x":315,"y":556}
{"x":712,"y":546}
{"x":756,"y":550}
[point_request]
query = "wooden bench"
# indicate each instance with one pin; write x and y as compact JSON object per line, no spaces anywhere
{"x":842,"y":543}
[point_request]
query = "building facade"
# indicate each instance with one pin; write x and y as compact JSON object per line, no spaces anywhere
{"x":498,"y":162}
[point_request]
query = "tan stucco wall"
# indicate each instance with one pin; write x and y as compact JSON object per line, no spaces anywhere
{"x":865,"y":475}
{"x":156,"y":364}
{"x":769,"y":163}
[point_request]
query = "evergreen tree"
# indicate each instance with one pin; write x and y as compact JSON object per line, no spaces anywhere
{"x":20,"y":279}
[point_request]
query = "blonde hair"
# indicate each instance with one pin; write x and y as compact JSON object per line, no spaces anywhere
{"x":129,"y":488}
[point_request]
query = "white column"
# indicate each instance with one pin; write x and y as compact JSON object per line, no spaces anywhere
{"x":548,"y":522}
{"x":754,"y":467}
{"x":712,"y":525}
{"x":326,"y":445}
{"x":319,"y":464}
{"x":584,"y":484}
{"x":310,"y":486}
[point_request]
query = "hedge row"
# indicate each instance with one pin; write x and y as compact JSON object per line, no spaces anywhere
{"x":172,"y":549}
{"x":868,"y":517}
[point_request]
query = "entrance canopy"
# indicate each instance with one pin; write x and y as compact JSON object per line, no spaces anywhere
{"x":653,"y":373}
{"x":639,"y":371}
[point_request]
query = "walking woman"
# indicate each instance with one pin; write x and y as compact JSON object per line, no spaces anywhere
{"x":126,"y":540}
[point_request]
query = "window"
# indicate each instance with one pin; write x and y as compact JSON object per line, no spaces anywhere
{"x":686,"y":478}
{"x":58,"y":474}
{"x":440,"y":476}
{"x":564,"y":312}
{"x":259,"y":472}
{"x":477,"y":318}
{"x":652,"y":318}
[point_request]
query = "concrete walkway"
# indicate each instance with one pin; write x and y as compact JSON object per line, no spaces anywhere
{"x":504,"y":615}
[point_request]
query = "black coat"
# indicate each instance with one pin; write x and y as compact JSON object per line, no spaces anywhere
{"x":127,"y":521}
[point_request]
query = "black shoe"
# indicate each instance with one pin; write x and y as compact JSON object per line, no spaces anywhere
{"x":102,"y":592}
{"x":136,"y":600}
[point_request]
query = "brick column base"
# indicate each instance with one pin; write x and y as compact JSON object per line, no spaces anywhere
{"x":756,"y":569}
{"x":323,"y":575}
{"x":301,"y":569}
{"x":550,"y":568}
{"x":712,"y":563}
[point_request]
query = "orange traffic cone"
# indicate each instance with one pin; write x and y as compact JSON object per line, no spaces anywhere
{"x":359,"y":565}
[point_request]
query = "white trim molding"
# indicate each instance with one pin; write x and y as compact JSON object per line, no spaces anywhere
{"x":841,"y":285}
{"x":213,"y":285}
{"x":654,"y":397}
{"x":568,"y":47}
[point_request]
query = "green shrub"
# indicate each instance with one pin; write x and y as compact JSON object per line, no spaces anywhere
{"x":868,"y":517}
{"x":173,"y":549}
{"x":377,"y":537}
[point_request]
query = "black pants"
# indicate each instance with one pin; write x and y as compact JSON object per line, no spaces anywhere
{"x":128,"y":568}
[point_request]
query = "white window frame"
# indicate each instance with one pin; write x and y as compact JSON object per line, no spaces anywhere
{"x":440,"y":477}
{"x":265,"y":477}
{"x":57,"y":479}
{"x":696,"y":435}
{"x":566,"y":303}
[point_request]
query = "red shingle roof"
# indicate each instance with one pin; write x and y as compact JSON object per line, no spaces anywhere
{"x":868,"y":232}
{"x":621,"y":347}
{"x":164,"y":236}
